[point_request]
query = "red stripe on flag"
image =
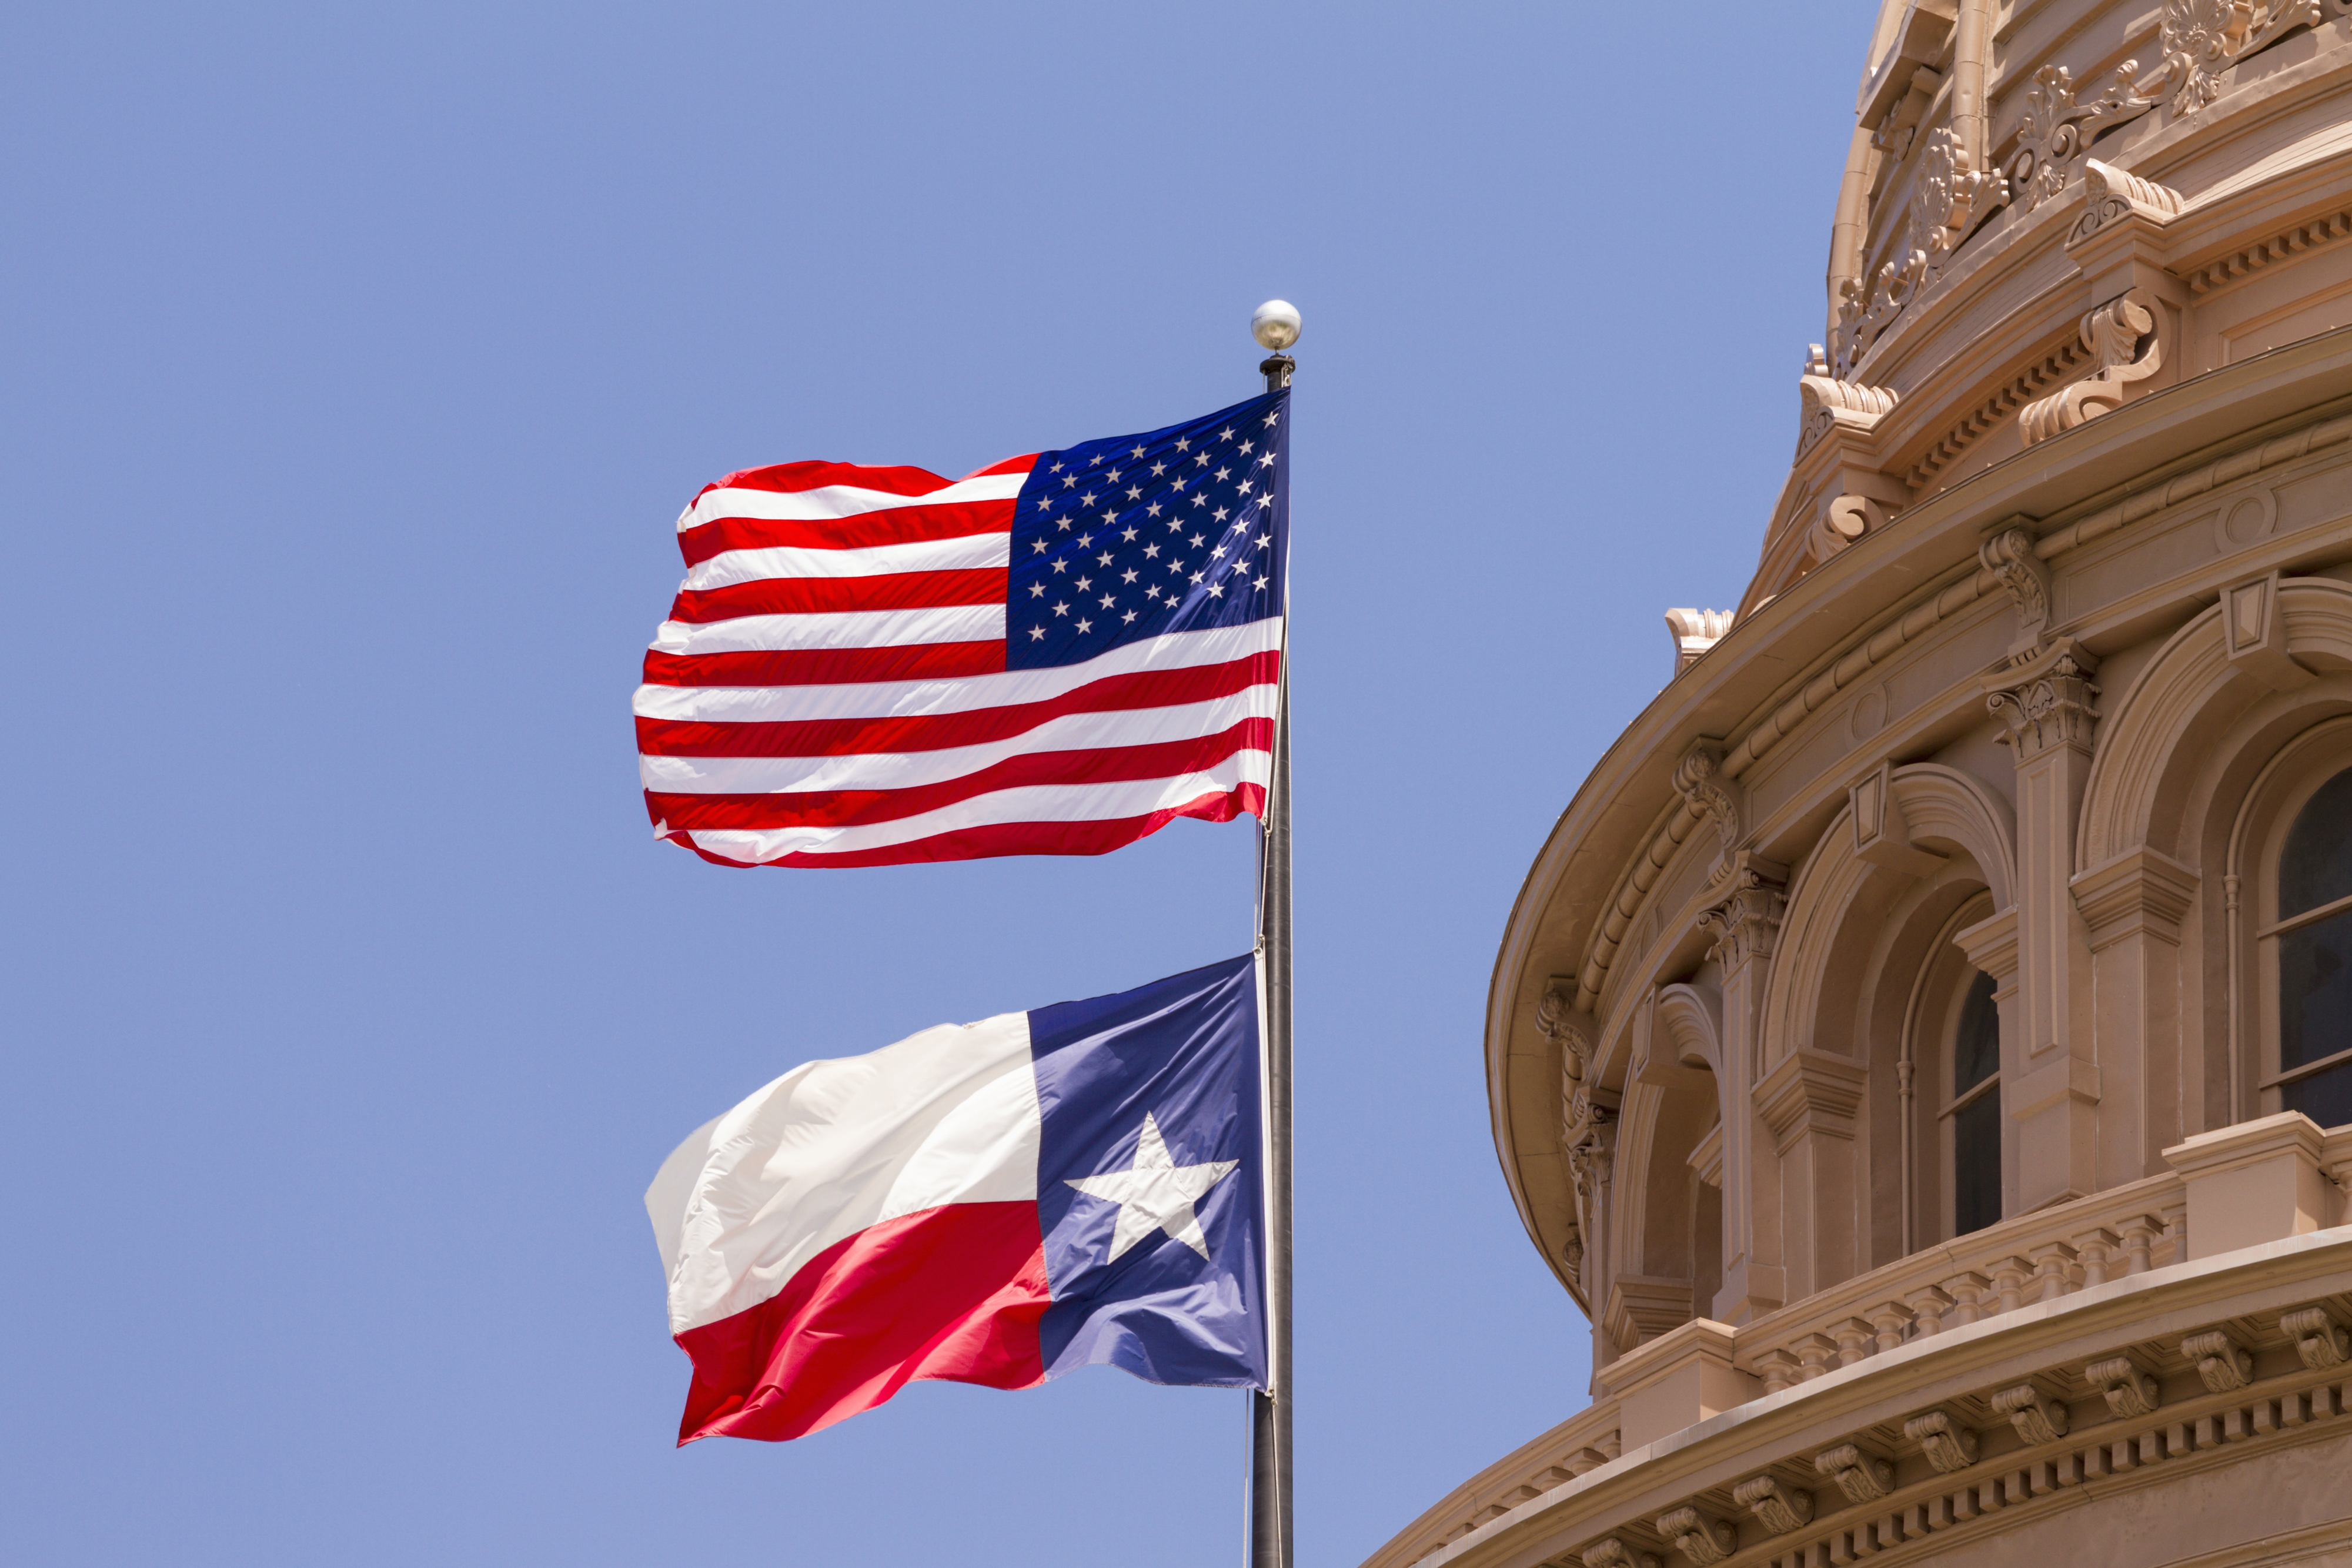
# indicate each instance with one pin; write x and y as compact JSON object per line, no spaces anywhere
{"x":860,"y":808}
{"x":860,"y":530}
{"x":819,"y":595}
{"x":1094,"y":838}
{"x":826,"y":666}
{"x":816,"y":473}
{"x":934,"y":732}
{"x":952,"y":1294}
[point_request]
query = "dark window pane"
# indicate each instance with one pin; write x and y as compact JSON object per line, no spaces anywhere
{"x":2315,"y":867}
{"x":1976,"y":1164}
{"x":2315,"y":991}
{"x":1976,"y":1051}
{"x":2324,"y":1097}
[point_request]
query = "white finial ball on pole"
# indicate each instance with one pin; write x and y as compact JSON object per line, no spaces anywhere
{"x":1274,"y":324}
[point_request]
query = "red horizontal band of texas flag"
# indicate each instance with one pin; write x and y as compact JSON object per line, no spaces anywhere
{"x":1056,"y":654}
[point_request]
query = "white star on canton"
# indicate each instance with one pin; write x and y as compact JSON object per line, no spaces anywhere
{"x":1155,"y":1193}
{"x":1037,"y":634}
{"x":1128,"y":617}
{"x":1085,"y":625}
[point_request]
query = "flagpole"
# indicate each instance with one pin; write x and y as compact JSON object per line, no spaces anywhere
{"x":1270,"y":1413}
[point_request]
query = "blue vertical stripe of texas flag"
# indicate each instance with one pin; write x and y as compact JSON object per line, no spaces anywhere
{"x":1138,"y":536}
{"x":1184,"y":1050}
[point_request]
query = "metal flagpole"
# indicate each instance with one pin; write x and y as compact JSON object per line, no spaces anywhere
{"x":1270,"y":1413}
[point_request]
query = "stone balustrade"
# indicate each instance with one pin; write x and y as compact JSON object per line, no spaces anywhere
{"x":2032,"y":1257}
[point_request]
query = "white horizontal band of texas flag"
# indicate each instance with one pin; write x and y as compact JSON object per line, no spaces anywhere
{"x":1057,"y":654}
{"x":992,"y":1203}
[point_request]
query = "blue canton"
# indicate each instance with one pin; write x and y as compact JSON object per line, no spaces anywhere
{"x":1138,"y":536}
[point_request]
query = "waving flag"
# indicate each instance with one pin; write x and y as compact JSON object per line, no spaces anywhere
{"x":1058,"y":654}
{"x":992,"y":1203}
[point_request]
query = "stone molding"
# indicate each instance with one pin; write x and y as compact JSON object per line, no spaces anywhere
{"x":2058,"y":1351}
{"x":1810,"y":1093}
{"x":2045,"y":702}
{"x":2142,"y":891}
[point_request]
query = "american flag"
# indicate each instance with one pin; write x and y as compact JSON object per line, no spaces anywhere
{"x":1057,"y":654}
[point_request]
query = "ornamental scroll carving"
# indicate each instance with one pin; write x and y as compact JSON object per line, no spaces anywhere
{"x":1824,"y":403}
{"x":2110,"y":195}
{"x":2125,"y":344}
{"x":1588,"y":1135}
{"x":2199,"y":39}
{"x":1953,"y":195}
{"x":2057,"y":128}
{"x":1698,"y":781}
{"x":2010,"y":556}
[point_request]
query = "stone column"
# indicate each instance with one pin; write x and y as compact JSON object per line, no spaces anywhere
{"x":2050,"y":1072}
{"x":1744,"y":924}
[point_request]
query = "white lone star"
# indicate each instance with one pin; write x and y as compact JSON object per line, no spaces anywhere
{"x":1155,"y":1193}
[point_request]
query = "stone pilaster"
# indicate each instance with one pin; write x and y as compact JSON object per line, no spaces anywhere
{"x":2050,"y":1075}
{"x":1808,"y":1102}
{"x":1744,"y":924}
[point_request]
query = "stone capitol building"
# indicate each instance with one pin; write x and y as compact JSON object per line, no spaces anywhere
{"x":1923,"y":1047}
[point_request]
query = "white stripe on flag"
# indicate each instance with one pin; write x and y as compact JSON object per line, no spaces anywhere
{"x":961,"y":554}
{"x":949,"y":1115}
{"x":834,"y":628}
{"x":839,"y":500}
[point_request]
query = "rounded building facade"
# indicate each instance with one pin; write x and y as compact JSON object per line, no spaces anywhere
{"x":1924,"y":1045}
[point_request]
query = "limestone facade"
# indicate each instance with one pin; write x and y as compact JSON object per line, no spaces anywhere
{"x":1924,"y":1045}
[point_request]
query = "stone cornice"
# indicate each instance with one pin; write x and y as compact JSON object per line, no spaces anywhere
{"x":2143,"y":1318}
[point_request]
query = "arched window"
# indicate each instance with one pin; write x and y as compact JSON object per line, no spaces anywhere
{"x":2307,"y":948}
{"x":1975,"y":1110}
{"x":1950,"y":1087}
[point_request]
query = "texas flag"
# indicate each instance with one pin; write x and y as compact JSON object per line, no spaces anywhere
{"x":993,"y":1202}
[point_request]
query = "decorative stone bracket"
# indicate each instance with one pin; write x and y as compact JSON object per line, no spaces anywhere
{"x":1695,"y":632}
{"x":2126,"y":346}
{"x":2112,"y":195}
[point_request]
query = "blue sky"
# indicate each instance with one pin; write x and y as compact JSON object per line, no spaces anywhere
{"x":358,"y":361}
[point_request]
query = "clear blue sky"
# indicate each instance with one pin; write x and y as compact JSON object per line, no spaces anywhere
{"x":357,"y":363}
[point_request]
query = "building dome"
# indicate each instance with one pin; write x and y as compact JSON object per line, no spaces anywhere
{"x":1924,"y":1045}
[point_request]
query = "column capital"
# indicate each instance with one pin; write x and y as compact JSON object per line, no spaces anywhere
{"x":2045,"y":700}
{"x":1746,"y":917}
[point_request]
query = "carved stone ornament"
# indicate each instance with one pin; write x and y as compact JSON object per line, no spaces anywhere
{"x":2050,"y":708}
{"x":1695,"y":632}
{"x":1823,"y":403}
{"x":2126,"y":345}
{"x":1609,"y":1552}
{"x":1743,"y":923}
{"x":2009,"y":554}
{"x":1586,"y":1134}
{"x":2037,"y":1417}
{"x":2224,"y":1364}
{"x":1778,"y":1506}
{"x":2130,"y":1391}
{"x":1698,"y":781}
{"x":1866,"y":313}
{"x":2318,"y":1338}
{"x":1842,"y":521}
{"x":2110,"y":195}
{"x":2056,"y":128}
{"x":1953,"y":195}
{"x":1864,"y":1477}
{"x":1948,"y":1445}
{"x":2201,"y":38}
{"x":1698,"y":1535}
